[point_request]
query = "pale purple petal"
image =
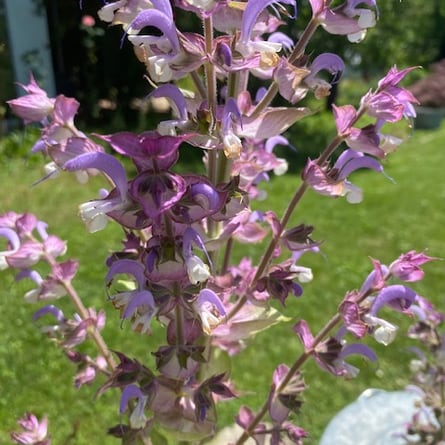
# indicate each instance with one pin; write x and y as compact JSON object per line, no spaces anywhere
{"x":12,"y":238}
{"x":357,"y":348}
{"x":159,"y":20}
{"x":173,"y":93}
{"x":345,"y":117}
{"x":50,"y":309}
{"x":103,"y":162}
{"x":303,"y":331}
{"x":143,"y":298}
{"x":397,"y":296}
{"x":127,"y":266}
{"x":130,"y":391}
{"x":208,"y":296}
{"x":253,"y":10}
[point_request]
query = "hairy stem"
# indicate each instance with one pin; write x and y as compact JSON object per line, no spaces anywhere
{"x":297,"y":52}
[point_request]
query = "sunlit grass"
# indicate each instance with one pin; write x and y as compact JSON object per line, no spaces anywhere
{"x":394,"y":217}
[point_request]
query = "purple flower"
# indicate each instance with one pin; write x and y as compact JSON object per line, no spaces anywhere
{"x":352,"y":315}
{"x":396,"y":296}
{"x":365,"y":140}
{"x":138,"y":418}
{"x":329,"y":62}
{"x":330,"y":354}
{"x":333,"y":181}
{"x":136,"y":302}
{"x":390,"y":102}
{"x":288,"y":399}
{"x":34,"y":431}
{"x":13,"y":245}
{"x":94,"y":213}
{"x":407,"y":266}
{"x":210,"y":310}
{"x":35,"y":106}
{"x":345,"y":19}
{"x":246,"y":45}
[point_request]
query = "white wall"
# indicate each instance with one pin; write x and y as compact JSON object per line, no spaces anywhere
{"x":28,"y":34}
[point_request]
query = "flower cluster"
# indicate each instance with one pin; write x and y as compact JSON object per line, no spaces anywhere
{"x":175,"y":266}
{"x":29,"y":246}
{"x":428,"y":372}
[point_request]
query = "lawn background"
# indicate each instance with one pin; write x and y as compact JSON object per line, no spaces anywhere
{"x":394,"y":217}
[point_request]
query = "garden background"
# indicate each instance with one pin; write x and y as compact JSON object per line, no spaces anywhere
{"x":394,"y":217}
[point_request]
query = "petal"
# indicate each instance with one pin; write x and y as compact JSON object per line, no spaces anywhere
{"x":303,"y":331}
{"x":129,"y":392}
{"x":159,"y":20}
{"x":397,"y":296}
{"x":173,"y":93}
{"x":272,"y":122}
{"x":253,"y":9}
{"x":105,"y":163}
{"x":131,"y":267}
{"x":143,"y":298}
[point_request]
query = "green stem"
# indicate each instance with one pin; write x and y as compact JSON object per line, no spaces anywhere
{"x":227,"y":253}
{"x":210,"y":72}
{"x":83,"y":312}
{"x":292,"y":371}
{"x":200,"y":88}
{"x":267,"y":257}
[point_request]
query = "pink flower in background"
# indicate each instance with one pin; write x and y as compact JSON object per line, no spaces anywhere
{"x":88,"y":21}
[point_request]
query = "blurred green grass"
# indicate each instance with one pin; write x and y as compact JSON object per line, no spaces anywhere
{"x":394,"y":217}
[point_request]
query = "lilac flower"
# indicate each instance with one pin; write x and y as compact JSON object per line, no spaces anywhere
{"x":365,"y":140}
{"x":138,"y":418}
{"x":165,"y":56}
{"x":94,"y":213}
{"x":34,"y":431}
{"x":197,"y":270}
{"x":179,"y":105}
{"x":333,"y":181}
{"x":71,"y":332}
{"x":35,"y":106}
{"x":246,"y":45}
{"x":345,"y":19}
{"x":294,"y":82}
{"x":330,"y":354}
{"x":13,"y":245}
{"x":123,"y":11}
{"x":210,"y":310}
{"x":288,"y":399}
{"x":390,"y":102}
{"x":136,"y":302}
{"x":232,"y":143}
{"x":407,"y":266}
{"x":48,"y":289}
